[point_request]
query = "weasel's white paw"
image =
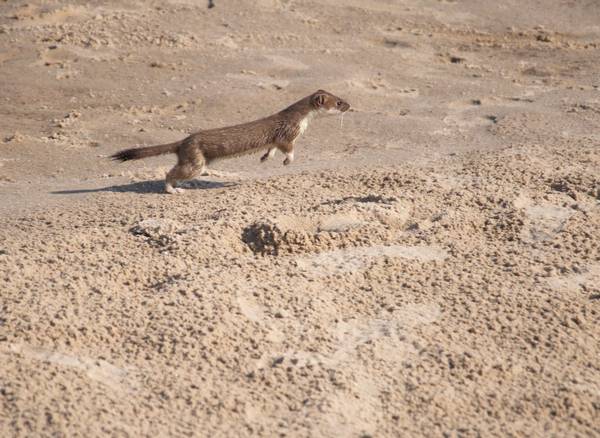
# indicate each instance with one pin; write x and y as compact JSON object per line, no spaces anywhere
{"x":173,"y":190}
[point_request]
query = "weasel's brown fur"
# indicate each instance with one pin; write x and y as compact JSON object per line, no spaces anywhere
{"x":278,"y":131}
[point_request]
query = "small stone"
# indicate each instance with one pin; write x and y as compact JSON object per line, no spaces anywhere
{"x":17,"y":137}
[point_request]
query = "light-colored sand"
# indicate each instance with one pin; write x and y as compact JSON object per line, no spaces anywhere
{"x":430,"y":268}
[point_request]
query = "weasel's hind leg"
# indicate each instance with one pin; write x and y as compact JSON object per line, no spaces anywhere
{"x":180,"y":172}
{"x":190,"y":163}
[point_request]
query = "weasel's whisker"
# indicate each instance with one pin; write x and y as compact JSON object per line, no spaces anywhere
{"x":342,"y":121}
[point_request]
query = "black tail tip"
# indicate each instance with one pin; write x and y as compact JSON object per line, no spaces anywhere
{"x":122,"y":156}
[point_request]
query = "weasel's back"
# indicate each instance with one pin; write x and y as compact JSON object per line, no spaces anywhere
{"x":235,"y":140}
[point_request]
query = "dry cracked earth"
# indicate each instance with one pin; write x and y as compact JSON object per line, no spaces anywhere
{"x":430,"y":267}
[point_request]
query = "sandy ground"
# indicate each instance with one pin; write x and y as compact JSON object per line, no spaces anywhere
{"x":430,"y":268}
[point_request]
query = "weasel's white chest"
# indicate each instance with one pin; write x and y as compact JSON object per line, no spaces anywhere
{"x":303,"y":125}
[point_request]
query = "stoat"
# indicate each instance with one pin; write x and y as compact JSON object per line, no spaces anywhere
{"x":279,"y":131}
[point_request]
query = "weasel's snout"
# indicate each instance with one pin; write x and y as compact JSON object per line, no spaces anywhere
{"x":344,"y":107}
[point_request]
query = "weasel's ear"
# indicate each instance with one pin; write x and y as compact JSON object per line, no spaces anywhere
{"x":319,"y":98}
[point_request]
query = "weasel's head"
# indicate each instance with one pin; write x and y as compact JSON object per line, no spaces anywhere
{"x":328,"y":103}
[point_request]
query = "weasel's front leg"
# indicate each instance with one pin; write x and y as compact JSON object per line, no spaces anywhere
{"x":289,"y":157}
{"x":288,"y":150}
{"x":269,"y":154}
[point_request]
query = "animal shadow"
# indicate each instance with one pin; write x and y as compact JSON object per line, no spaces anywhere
{"x":157,"y":186}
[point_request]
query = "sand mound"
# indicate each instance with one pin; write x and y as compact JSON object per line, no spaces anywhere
{"x":331,"y":224}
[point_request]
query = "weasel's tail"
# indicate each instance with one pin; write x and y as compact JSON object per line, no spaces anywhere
{"x":149,"y":151}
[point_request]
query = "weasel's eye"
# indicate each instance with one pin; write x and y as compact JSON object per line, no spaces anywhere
{"x":339,"y":103}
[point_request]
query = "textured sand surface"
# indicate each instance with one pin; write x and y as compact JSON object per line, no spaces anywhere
{"x":430,"y":268}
